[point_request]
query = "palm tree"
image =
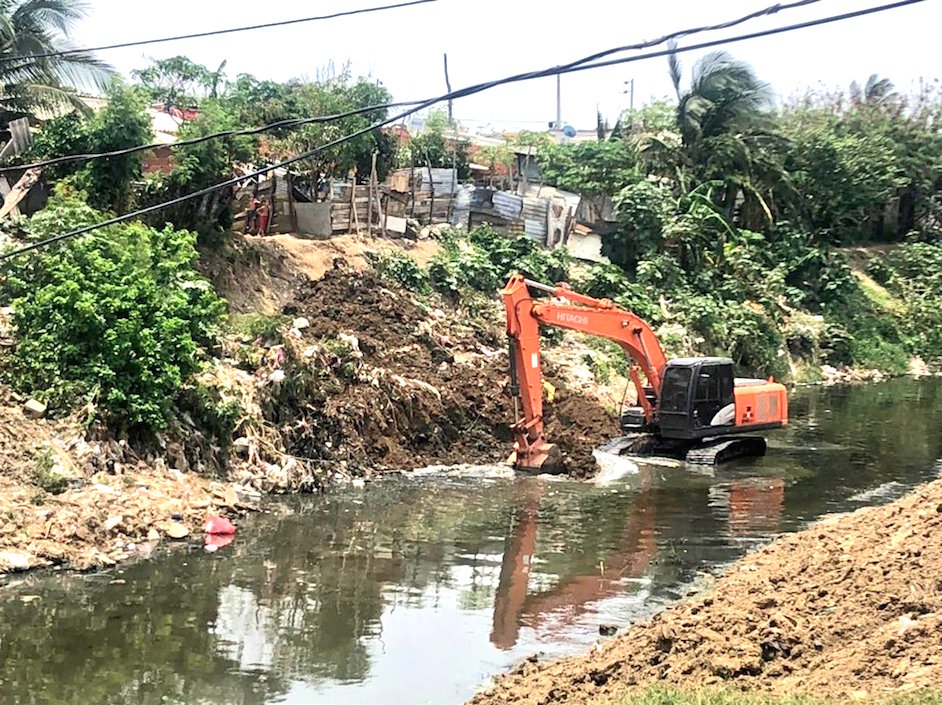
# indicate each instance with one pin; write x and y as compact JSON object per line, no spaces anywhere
{"x":727,"y":134}
{"x":724,"y":95}
{"x":877,"y":91}
{"x":29,"y":83}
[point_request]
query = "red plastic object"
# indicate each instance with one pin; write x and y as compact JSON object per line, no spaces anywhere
{"x":216,"y":525}
{"x":218,"y":540}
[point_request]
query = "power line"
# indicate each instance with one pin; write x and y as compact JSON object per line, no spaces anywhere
{"x":290,"y":123}
{"x":767,"y":11}
{"x":295,"y":123}
{"x":471,"y":90}
{"x":216,"y":32}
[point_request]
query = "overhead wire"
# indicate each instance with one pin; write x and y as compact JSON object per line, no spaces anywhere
{"x":471,"y":90}
{"x":289,"y":123}
{"x":771,"y":10}
{"x":215,"y":32}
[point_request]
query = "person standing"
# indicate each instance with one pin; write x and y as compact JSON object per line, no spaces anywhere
{"x":251,"y":215}
{"x":264,"y":214}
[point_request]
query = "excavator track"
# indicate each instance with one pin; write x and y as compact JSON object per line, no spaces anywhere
{"x":709,"y":452}
{"x":722,"y":450}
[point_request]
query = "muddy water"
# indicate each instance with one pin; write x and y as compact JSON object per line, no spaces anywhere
{"x":417,"y":589}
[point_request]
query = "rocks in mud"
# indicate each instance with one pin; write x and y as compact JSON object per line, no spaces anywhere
{"x":13,"y":561}
{"x":34,"y":409}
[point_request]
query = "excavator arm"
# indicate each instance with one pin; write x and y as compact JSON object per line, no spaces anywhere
{"x":578,"y":312}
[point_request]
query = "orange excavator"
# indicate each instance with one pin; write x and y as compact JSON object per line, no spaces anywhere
{"x":694,"y":408}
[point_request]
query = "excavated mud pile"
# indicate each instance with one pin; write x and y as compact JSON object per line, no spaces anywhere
{"x":849,"y":607}
{"x":67,"y":500}
{"x":380,"y":381}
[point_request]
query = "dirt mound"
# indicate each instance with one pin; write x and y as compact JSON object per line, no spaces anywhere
{"x":263,"y":274}
{"x":851,"y":606}
{"x":408,"y":386}
{"x":86,"y":503}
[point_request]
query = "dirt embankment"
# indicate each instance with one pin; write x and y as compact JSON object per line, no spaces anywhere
{"x":414,"y":386}
{"x":373,"y":381}
{"x":849,"y":607}
{"x":86,"y":503}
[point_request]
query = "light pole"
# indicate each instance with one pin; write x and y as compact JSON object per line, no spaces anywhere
{"x":631,"y":92}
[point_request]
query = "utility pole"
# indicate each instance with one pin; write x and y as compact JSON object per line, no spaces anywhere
{"x":631,"y":92}
{"x":559,"y":103}
{"x":448,"y":86}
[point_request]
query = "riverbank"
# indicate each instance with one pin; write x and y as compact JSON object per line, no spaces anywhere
{"x":850,"y":607}
{"x":326,"y":375}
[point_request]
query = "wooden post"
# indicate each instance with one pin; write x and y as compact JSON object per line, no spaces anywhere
{"x":385,"y":215}
{"x":454,"y":181}
{"x":369,"y":210}
{"x":353,"y":202}
{"x":412,"y":189}
{"x":292,"y":212}
{"x":431,"y":190}
{"x":448,"y":86}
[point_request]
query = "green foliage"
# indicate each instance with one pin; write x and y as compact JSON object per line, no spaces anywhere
{"x":591,"y":168}
{"x":437,"y":146}
{"x":63,"y":135}
{"x":842,"y":173}
{"x":400,"y":268}
{"x":123,"y":122}
{"x":35,"y":82}
{"x":485,"y":259}
{"x":197,"y":167}
{"x":610,"y":282}
{"x":260,"y":325}
{"x":46,"y":474}
{"x":178,"y":81}
{"x":117,"y":319}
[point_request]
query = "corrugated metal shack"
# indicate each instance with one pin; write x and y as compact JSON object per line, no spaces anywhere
{"x":424,"y":194}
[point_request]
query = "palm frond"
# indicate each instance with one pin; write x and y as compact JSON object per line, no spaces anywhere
{"x":673,"y":65}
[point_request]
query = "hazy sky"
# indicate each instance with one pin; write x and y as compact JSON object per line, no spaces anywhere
{"x":488,"y":39}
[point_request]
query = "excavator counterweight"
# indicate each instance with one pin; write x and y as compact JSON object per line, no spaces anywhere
{"x":692,"y":407}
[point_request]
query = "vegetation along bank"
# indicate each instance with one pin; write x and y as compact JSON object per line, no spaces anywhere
{"x":172,"y":350}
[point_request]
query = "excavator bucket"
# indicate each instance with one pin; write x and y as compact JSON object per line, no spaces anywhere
{"x":539,"y":459}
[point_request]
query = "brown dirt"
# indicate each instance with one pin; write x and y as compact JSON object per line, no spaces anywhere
{"x":851,"y":606}
{"x":263,"y":274}
{"x":429,"y":389}
{"x":109,"y":509}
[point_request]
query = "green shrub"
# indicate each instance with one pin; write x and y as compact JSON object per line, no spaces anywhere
{"x":117,"y":318}
{"x":46,"y":474}
{"x":401,"y":269}
{"x":268,"y":327}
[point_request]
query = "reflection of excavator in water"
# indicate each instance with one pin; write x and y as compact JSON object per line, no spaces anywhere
{"x":690,"y":407}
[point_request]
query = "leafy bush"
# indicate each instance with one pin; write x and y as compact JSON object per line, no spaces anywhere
{"x":116,"y":319}
{"x":400,"y":268}
{"x":605,"y":281}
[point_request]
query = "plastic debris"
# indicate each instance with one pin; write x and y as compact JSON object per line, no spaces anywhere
{"x":217,"y":525}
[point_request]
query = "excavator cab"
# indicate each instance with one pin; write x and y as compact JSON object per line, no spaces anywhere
{"x":697,"y":397}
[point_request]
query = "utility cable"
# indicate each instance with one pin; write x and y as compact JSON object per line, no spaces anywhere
{"x":471,"y":90}
{"x":773,"y":9}
{"x":289,"y":123}
{"x":215,"y":32}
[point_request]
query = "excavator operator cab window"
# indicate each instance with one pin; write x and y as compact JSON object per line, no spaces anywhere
{"x":713,"y":395}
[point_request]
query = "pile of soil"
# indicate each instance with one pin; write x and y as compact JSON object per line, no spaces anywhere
{"x":850,"y":607}
{"x":85,"y":503}
{"x":429,"y":387}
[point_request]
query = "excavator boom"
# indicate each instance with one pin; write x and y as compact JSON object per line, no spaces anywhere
{"x":700,"y":400}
